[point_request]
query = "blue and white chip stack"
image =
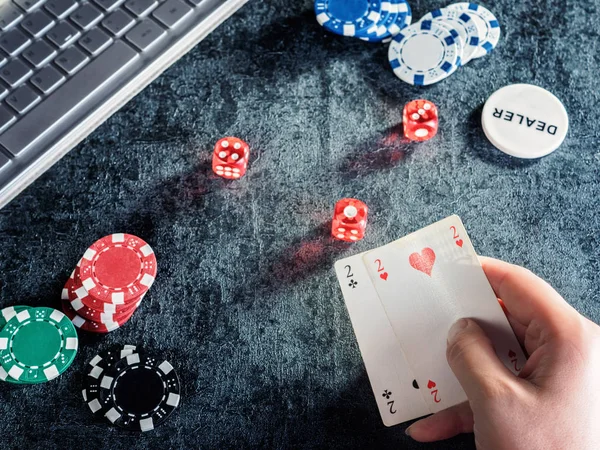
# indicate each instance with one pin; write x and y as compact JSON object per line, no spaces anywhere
{"x":422,"y":53}
{"x":369,"y":20}
{"x":442,"y":41}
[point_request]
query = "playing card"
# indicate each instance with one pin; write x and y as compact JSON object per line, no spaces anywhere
{"x":391,"y":379}
{"x":426,"y":281}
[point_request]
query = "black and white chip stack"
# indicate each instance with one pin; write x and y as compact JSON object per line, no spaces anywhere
{"x":131,"y":388}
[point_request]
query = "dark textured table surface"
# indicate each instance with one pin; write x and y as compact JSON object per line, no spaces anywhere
{"x":246,"y":304}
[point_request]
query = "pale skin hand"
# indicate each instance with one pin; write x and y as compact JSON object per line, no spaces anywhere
{"x":554,"y":403}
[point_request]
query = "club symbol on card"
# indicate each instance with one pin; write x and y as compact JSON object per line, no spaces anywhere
{"x":434,"y":392}
{"x":423,"y":261}
{"x":386,"y":394}
{"x":513,"y":359}
{"x":352,"y":284}
{"x":383,"y":276}
{"x":459,"y":243}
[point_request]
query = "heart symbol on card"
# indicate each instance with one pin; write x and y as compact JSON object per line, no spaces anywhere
{"x":511,"y":354}
{"x":423,"y":262}
{"x":431,"y":385}
{"x":383,"y":276}
{"x":459,"y":243}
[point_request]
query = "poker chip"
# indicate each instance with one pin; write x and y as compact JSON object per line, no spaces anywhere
{"x":37,"y":345}
{"x":139,"y":392}
{"x":487,"y":24}
{"x":118,"y":269}
{"x":348,"y":17}
{"x":424,"y":53}
{"x":88,"y":325}
{"x":109,"y":283}
{"x":97,"y":366}
{"x":95,"y":315}
{"x":525,"y":121}
{"x":464,"y":27}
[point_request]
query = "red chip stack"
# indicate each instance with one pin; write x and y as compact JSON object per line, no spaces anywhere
{"x":109,"y":283}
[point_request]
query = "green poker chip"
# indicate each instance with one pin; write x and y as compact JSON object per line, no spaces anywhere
{"x":37,"y":345}
{"x":5,"y":315}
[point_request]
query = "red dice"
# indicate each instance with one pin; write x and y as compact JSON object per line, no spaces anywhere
{"x":420,"y":119}
{"x":230,"y":158}
{"x":349,"y":220}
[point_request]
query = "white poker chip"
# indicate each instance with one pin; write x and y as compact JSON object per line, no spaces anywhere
{"x":463,"y":24}
{"x":525,"y":121}
{"x":424,"y":53}
{"x":487,"y":24}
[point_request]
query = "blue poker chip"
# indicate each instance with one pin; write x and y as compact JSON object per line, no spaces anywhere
{"x":424,"y":53}
{"x":389,"y":15}
{"x":486,"y":22}
{"x":348,"y":17}
{"x":398,"y":17}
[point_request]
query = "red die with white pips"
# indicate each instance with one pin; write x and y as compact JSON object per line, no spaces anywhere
{"x":230,"y":158}
{"x":420,"y":120}
{"x":349,"y":220}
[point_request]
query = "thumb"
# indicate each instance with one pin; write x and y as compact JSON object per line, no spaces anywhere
{"x":472,"y":358}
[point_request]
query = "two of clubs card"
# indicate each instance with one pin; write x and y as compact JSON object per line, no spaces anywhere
{"x":402,"y":299}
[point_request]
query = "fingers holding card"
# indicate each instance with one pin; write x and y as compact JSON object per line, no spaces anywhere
{"x":420,"y":285}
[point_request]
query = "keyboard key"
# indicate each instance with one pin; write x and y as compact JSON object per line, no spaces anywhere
{"x":63,"y":34}
{"x":86,"y":17}
{"x":95,"y":41}
{"x":140,"y":8}
{"x":172,"y":12}
{"x":47,"y":79}
{"x":9,"y":15}
{"x":23,"y":99}
{"x":13,"y":41}
{"x":118,"y":22}
{"x":145,"y":34}
{"x":42,"y":119}
{"x":3,"y":158}
{"x":14,"y":72}
{"x":3,"y":91}
{"x":6,"y":117}
{"x":107,"y":5}
{"x":39,"y":53}
{"x":71,"y":60}
{"x":196,"y":2}
{"x":61,"y":8}
{"x":37,"y":23}
{"x":28,"y":5}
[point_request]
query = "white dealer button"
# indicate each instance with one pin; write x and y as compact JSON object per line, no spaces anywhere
{"x":525,"y":121}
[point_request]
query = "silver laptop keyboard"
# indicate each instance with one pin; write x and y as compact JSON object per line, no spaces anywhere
{"x":61,"y":59}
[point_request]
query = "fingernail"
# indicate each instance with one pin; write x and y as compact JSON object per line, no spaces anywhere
{"x":407,"y":431}
{"x":456,"y":328}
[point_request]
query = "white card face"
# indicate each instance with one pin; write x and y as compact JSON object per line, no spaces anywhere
{"x":391,"y":378}
{"x":426,"y":281}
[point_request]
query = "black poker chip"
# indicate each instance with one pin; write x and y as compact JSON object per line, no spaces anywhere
{"x":97,"y":367}
{"x":139,"y":392}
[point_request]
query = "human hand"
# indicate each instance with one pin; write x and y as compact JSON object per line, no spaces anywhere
{"x":554,"y":403}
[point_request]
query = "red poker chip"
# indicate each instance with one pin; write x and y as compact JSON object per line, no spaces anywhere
{"x":82,"y":296}
{"x":88,"y":325}
{"x":118,"y":268}
{"x":91,"y":314}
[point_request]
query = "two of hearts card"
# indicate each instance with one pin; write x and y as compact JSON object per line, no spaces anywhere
{"x":402,"y":299}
